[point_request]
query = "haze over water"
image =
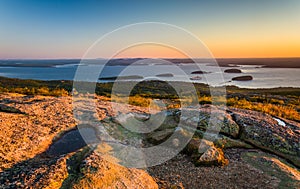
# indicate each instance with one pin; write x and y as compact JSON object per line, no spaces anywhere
{"x":262,"y":77}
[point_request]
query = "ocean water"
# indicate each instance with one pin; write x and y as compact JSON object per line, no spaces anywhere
{"x":215,"y":76}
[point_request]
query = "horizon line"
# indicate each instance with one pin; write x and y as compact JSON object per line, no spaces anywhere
{"x":148,"y":58}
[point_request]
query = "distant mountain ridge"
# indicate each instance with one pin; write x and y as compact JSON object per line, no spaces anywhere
{"x":223,"y":62}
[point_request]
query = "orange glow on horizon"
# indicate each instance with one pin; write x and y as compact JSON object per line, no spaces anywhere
{"x":150,"y":51}
{"x":249,"y":50}
{"x":256,"y":50}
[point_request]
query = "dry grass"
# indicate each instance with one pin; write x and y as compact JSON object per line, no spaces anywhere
{"x":278,"y":109}
{"x":137,"y":101}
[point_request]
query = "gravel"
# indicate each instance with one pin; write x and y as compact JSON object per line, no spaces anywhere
{"x":180,"y":172}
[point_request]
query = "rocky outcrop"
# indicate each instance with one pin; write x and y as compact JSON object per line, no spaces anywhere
{"x":238,"y":128}
{"x":83,"y":169}
{"x":225,"y":142}
{"x":42,"y":148}
{"x":221,"y":122}
{"x":264,"y":132}
{"x":22,"y":136}
{"x":9,"y":109}
{"x":37,"y":172}
{"x":247,"y":168}
{"x":217,"y":120}
{"x":289,"y":176}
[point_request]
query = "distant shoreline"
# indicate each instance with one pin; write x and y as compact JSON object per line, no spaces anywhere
{"x":10,"y":84}
{"x":222,"y":62}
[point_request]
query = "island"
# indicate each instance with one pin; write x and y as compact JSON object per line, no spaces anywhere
{"x":129,"y":77}
{"x":243,"y":78}
{"x":233,"y":71}
{"x":165,"y":75}
{"x":200,"y":72}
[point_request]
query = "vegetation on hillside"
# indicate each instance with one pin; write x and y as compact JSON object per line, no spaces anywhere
{"x":281,"y":102}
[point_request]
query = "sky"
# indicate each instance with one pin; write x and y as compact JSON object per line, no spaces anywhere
{"x":57,"y":29}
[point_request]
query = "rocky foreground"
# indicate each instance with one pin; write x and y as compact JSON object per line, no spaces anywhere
{"x":41,"y":147}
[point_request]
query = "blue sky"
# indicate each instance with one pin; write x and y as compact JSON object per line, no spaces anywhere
{"x":230,"y":28}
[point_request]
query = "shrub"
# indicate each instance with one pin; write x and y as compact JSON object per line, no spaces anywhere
{"x":43,"y":91}
{"x":277,"y":109}
{"x":59,"y":92}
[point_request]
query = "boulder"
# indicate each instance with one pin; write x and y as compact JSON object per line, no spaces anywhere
{"x":204,"y":152}
{"x":159,"y":136}
{"x":100,"y":173}
{"x":212,"y":156}
{"x":222,"y":121}
{"x":167,"y":119}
